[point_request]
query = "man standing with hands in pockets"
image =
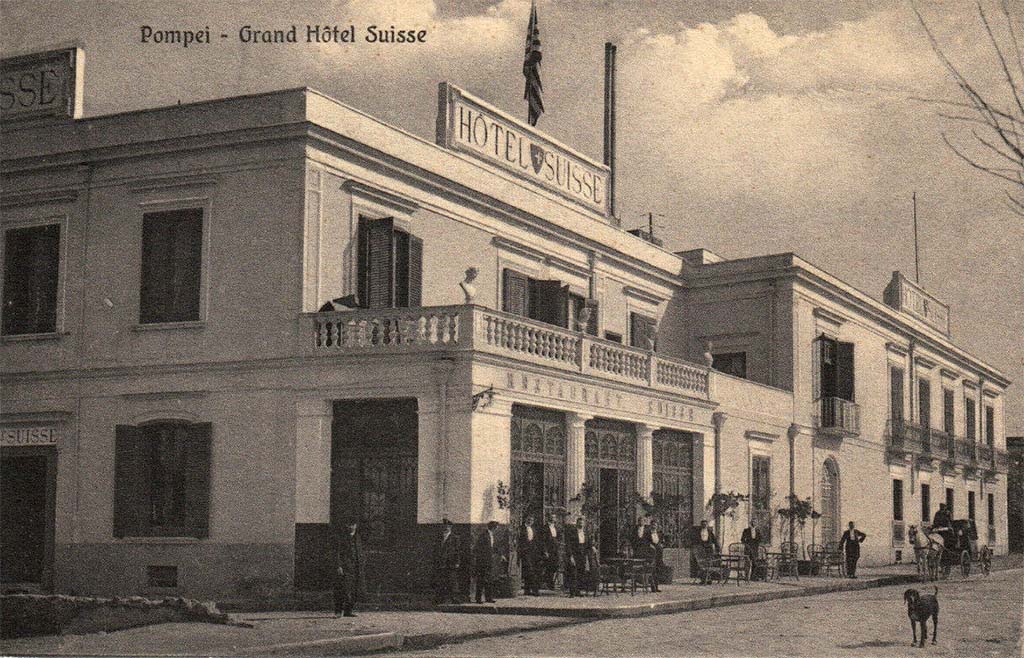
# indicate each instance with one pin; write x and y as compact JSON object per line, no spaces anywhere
{"x":850,"y":543}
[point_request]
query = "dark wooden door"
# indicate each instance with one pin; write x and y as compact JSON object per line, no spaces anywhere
{"x":374,"y":480}
{"x":23,"y":482}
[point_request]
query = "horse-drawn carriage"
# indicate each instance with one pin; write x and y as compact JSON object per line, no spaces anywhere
{"x":939,"y":550}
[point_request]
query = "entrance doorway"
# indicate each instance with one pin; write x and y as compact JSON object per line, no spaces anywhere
{"x":27,"y":478}
{"x":611,"y":474}
{"x":373,"y":479}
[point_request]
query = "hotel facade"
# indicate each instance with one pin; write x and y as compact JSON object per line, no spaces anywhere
{"x":229,"y":326}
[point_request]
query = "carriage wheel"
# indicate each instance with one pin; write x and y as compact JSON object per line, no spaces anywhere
{"x":965,"y":563}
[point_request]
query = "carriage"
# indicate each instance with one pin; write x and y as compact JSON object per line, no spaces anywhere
{"x":939,"y":550}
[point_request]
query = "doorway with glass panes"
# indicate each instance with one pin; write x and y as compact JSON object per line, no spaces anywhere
{"x":610,"y":449}
{"x":538,"y":463}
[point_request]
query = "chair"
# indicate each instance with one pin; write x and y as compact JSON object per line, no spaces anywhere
{"x":816,"y":554}
{"x":711,"y":567}
{"x":609,"y":578}
{"x":739,"y":567}
{"x":834,"y":559}
{"x":737,"y":549}
{"x":788,"y":559}
{"x":762,"y":565}
{"x":642,"y":576}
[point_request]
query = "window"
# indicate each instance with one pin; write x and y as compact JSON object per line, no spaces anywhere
{"x":926,"y":503}
{"x":970,"y":505}
{"x":31,"y":274}
{"x":924,"y":403}
{"x":761,"y":494}
{"x":970,"y":419}
{"x":990,"y":426}
{"x":949,"y":501}
{"x":547,"y":301}
{"x":991,"y":516}
{"x":834,"y":369}
{"x":162,"y":480}
{"x":733,"y":363}
{"x":896,"y":395}
{"x":172,"y":251}
{"x":947,"y":411}
{"x":643,"y":331}
{"x":389,"y":268}
{"x":897,"y":500}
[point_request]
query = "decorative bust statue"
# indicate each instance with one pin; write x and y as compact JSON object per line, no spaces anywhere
{"x":584,"y":318}
{"x":468,"y":289}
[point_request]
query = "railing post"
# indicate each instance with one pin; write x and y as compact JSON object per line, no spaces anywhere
{"x":652,"y":370}
{"x":583,"y":354}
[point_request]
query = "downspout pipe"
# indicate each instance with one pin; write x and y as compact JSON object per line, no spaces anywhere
{"x":794,"y":430}
{"x":718,"y":420}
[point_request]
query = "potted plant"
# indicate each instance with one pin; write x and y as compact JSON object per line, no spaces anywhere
{"x":797,"y":512}
{"x":725,"y":504}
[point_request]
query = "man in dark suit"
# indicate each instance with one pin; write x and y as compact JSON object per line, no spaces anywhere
{"x":850,"y":543}
{"x":487,"y":561}
{"x":530,"y":551}
{"x":577,"y":547}
{"x":751,"y":539}
{"x":638,"y":537}
{"x":349,"y":583}
{"x":551,"y":545}
{"x":942,"y":518}
{"x":704,"y":545}
{"x":654,"y":543}
{"x":449,"y":558}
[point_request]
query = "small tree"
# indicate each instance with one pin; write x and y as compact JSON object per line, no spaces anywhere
{"x":797,"y":512}
{"x":725,"y":504}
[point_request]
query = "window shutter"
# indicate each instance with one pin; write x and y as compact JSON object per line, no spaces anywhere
{"x":415,"y":271}
{"x":844,"y":371}
{"x":592,"y":321}
{"x":896,"y":395}
{"x":172,"y":246}
{"x":380,"y":254}
{"x":924,"y":402}
{"x":131,"y":489}
{"x":816,"y":350}
{"x":549,"y":302}
{"x":515,"y":292}
{"x":187,"y":264}
{"x":47,"y":263}
{"x":947,"y":411}
{"x":197,"y":483}
{"x":31,"y":266}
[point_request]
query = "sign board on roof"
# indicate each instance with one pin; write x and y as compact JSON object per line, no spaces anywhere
{"x":47,"y":84}
{"x":469,"y":125}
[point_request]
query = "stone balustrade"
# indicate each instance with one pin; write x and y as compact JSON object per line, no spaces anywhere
{"x":475,"y":328}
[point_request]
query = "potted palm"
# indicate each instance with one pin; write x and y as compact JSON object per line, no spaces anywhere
{"x":725,"y":505}
{"x":797,"y":512}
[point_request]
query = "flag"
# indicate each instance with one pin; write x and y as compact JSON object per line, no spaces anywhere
{"x":531,"y":68}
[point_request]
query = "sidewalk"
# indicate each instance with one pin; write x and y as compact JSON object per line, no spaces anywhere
{"x":322,"y":633}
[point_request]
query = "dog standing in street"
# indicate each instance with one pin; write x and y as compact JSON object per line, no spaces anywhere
{"x":919,"y":609}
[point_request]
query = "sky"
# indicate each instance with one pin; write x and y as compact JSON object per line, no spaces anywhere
{"x":748,"y":127}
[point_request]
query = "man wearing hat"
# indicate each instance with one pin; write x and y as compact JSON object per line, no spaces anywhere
{"x":446,"y":573}
{"x":487,"y":560}
{"x":349,"y":574}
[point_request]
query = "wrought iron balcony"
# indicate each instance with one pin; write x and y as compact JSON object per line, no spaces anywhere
{"x":838,"y":416}
{"x":475,"y":328}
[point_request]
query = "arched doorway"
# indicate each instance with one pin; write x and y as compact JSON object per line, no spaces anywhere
{"x":830,"y":502}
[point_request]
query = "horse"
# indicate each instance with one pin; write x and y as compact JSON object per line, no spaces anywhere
{"x":928,"y":547}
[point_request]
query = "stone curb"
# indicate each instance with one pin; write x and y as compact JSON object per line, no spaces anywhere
{"x":344,"y":645}
{"x":668,"y":607}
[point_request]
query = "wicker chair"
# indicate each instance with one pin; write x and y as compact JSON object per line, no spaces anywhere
{"x":788,"y":559}
{"x":763,"y":565}
{"x":833,"y":557}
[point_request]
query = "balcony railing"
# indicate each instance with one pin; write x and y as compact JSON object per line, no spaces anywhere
{"x":475,"y":328}
{"x":909,"y":438}
{"x":839,"y":415}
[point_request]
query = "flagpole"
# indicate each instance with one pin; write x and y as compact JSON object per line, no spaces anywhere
{"x":609,"y":122}
{"x":917,"y":262}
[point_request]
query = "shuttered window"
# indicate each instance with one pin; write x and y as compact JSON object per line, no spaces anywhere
{"x":896,"y":395}
{"x":970,"y":505}
{"x":970,"y":419}
{"x":897,"y":500}
{"x":835,"y":369}
{"x":990,"y":426}
{"x":162,"y":480}
{"x":389,"y":270}
{"x":515,"y":293}
{"x":926,"y":503}
{"x":642,"y":331}
{"x":947,"y":411}
{"x":547,"y":301}
{"x":31,"y":272}
{"x":172,"y":251}
{"x":924,"y":402}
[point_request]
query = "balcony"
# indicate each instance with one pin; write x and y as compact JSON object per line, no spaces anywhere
{"x":475,"y":328}
{"x":838,"y":416}
{"x":909,"y":439}
{"x":903,"y":438}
